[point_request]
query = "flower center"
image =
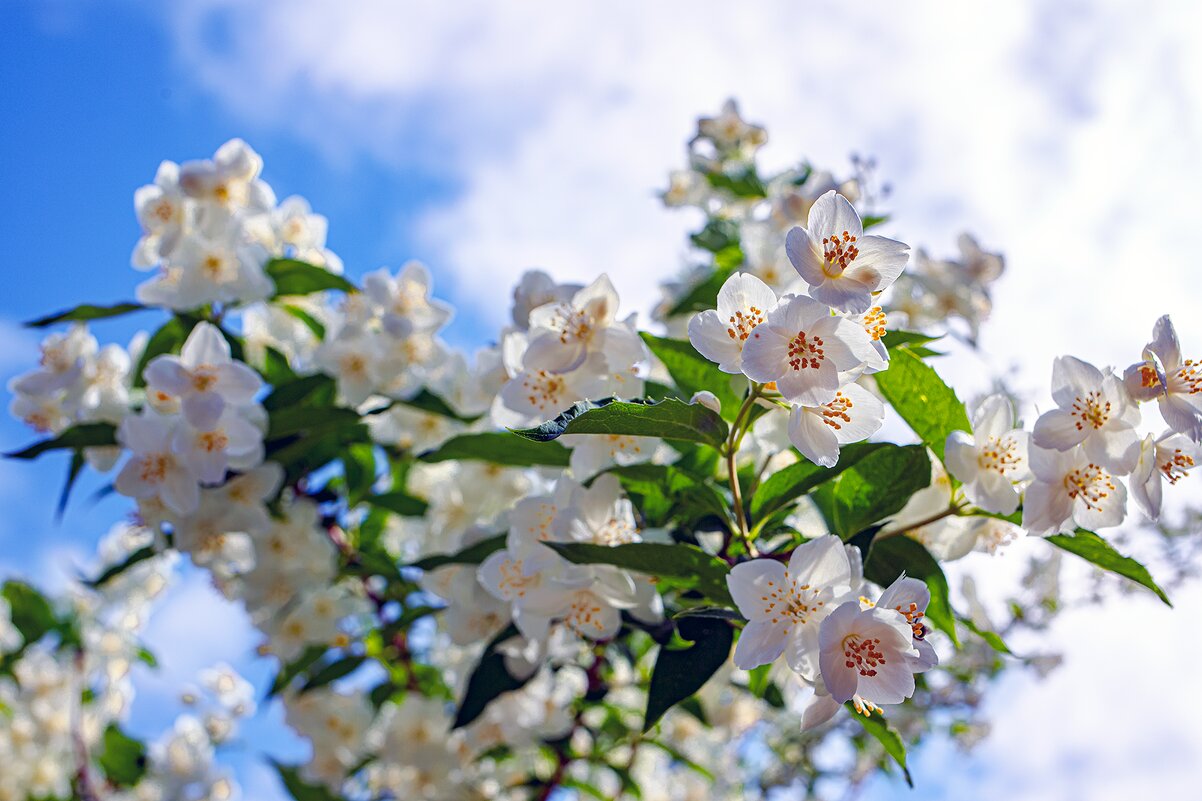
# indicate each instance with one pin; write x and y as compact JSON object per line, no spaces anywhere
{"x":794,"y":603}
{"x":544,"y":389}
{"x":1175,"y":467}
{"x":742,"y":323}
{"x":513,"y":582}
{"x":584,"y":613}
{"x":1148,"y":377}
{"x":574,"y":324}
{"x":839,"y":251}
{"x":203,"y":378}
{"x":615,"y":532}
{"x":1188,"y":379}
{"x":875,"y":322}
{"x":1000,"y":455}
{"x":211,"y":441}
{"x":834,"y":414}
{"x":805,"y":352}
{"x":1090,"y":484}
{"x":913,"y":616}
{"x":1093,"y":410}
{"x":155,"y":467}
{"x":864,"y":655}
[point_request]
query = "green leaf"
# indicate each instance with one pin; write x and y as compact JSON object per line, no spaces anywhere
{"x":121,"y":757}
{"x":276,"y":370}
{"x":31,"y":613}
{"x":873,"y":220}
{"x":875,"y":487}
{"x":912,"y":339}
{"x":471,"y":555}
{"x":876,"y":725}
{"x":398,"y":503}
{"x":359,"y":470}
{"x":929,"y":406}
{"x":306,"y":388}
{"x":311,"y":322}
{"x":990,"y":637}
{"x":890,"y":557}
{"x":663,"y":494}
{"x":73,"y":471}
{"x":741,"y":182}
{"x":786,"y":485}
{"x":718,"y":234}
{"x":694,"y":373}
{"x":111,"y":572}
{"x":334,"y":671}
{"x":85,"y":313}
{"x":704,"y":294}
{"x":294,"y":277}
{"x":680,"y":674}
{"x":293,"y":420}
{"x":489,"y":680}
{"x":499,"y":447}
{"x":676,"y":560}
{"x":668,"y":419}
{"x":289,"y":671}
{"x":83,"y":435}
{"x":1092,"y":548}
{"x":299,"y":789}
{"x":427,"y":401}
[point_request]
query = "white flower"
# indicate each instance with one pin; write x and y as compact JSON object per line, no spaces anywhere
{"x":354,"y":360}
{"x":719,"y":335}
{"x":404,"y":301}
{"x":910,"y":597}
{"x":229,"y":180}
{"x":10,"y":637}
{"x":818,"y":431}
{"x":232,"y":442}
{"x":154,"y":470}
{"x":867,"y":655}
{"x":162,"y":210}
{"x":1168,"y":458}
{"x":784,"y":605}
{"x":534,"y":289}
{"x":843,"y":266}
{"x":1095,"y":411}
{"x":730,"y":132}
{"x":562,"y":335}
{"x":64,"y":357}
{"x":707,"y":399}
{"x":1176,"y":383}
{"x":804,"y":349}
{"x":1070,"y":490}
{"x":992,"y":458}
{"x":204,"y":377}
{"x":592,"y":453}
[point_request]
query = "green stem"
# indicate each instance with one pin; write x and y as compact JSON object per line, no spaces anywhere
{"x":733,"y":441}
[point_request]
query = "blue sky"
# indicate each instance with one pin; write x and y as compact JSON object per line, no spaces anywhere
{"x":484,"y":142}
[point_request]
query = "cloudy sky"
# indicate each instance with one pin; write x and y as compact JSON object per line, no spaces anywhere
{"x":486,"y":141}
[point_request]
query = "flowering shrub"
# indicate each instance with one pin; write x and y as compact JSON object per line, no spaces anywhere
{"x":595,"y":558}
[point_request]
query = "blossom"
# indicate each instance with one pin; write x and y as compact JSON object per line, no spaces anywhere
{"x":562,"y":335}
{"x":231,"y":442}
{"x":228,"y":180}
{"x":534,"y":289}
{"x":992,"y":458}
{"x":784,"y":604}
{"x":1176,"y":383}
{"x":910,"y":598}
{"x":843,"y":266}
{"x":867,"y":655}
{"x":404,"y":300}
{"x":1167,"y":458}
{"x":744,"y":302}
{"x":1071,"y":490}
{"x":818,"y":431}
{"x":1095,"y":412}
{"x":154,"y":469}
{"x":204,"y":377}
{"x":803,"y":349}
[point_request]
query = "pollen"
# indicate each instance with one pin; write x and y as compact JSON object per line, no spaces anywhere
{"x":1090,"y":484}
{"x":1000,"y":454}
{"x":154,"y":467}
{"x":1093,"y":410}
{"x":544,"y":389}
{"x":743,"y":322}
{"x":805,"y":352}
{"x":839,"y":251}
{"x":875,"y":322}
{"x":203,"y":378}
{"x":863,"y":655}
{"x":1175,"y":467}
{"x":1188,"y":379}
{"x":794,"y":603}
{"x":835,"y":414}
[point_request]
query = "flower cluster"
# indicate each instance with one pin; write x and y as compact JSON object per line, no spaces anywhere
{"x":589,"y":556}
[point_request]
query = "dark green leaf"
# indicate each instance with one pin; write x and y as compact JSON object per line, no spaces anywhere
{"x":890,"y":557}
{"x":333,"y":671}
{"x":1092,"y":548}
{"x":122,"y":758}
{"x":398,"y":503}
{"x":741,"y":182}
{"x":276,"y":370}
{"x":663,"y":494}
{"x":111,"y":572}
{"x":299,"y":789}
{"x":308,"y":419}
{"x":786,"y":485}
{"x":490,"y":679}
{"x":310,"y":657}
{"x":359,"y":470}
{"x":303,"y":389}
{"x":294,"y":277}
{"x":680,"y":674}
{"x":675,"y":560}
{"x":73,"y":471}
{"x":499,"y":447}
{"x":82,"y":435}
{"x":693,"y":373}
{"x":928,"y":405}
{"x":471,"y":555}
{"x":990,"y":637}
{"x":311,"y":322}
{"x":875,"y":487}
{"x":886,"y":735}
{"x":669,"y":419}
{"x":427,"y":401}
{"x":31,"y":613}
{"x":85,"y":313}
{"x":703,"y":295}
